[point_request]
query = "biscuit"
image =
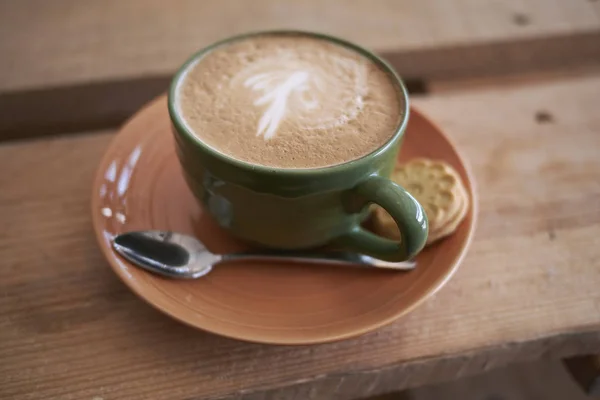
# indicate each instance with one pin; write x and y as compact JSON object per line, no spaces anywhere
{"x":450,"y":226}
{"x":438,"y":188}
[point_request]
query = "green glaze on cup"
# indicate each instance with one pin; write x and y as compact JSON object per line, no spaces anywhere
{"x":302,"y":208}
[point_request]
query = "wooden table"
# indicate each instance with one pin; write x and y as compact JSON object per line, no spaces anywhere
{"x":516,"y":84}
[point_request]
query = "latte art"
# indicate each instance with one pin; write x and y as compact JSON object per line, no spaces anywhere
{"x":289,"y":88}
{"x":277,"y":95}
{"x":289,"y":101}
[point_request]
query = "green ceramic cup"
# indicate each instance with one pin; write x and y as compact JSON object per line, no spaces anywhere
{"x":303,"y":208}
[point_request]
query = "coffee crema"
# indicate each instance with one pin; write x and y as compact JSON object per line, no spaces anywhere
{"x":289,"y":101}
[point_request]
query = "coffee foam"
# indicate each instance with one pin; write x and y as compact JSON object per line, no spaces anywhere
{"x":289,"y":101}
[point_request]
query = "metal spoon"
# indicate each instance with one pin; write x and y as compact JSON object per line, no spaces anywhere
{"x":181,"y":256}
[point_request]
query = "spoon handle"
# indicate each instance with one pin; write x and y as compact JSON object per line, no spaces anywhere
{"x":330,"y":258}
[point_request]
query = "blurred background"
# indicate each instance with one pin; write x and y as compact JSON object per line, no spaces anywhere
{"x":72,"y":65}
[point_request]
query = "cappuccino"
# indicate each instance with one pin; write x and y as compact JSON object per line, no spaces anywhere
{"x":289,"y":101}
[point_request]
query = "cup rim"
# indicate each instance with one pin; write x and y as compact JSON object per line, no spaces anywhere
{"x":182,"y":129}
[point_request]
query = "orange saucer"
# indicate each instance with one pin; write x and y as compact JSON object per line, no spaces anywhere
{"x":139,"y":186}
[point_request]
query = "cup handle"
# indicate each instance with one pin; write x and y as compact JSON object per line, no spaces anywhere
{"x":404,"y":209}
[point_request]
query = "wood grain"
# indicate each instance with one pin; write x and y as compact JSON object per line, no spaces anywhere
{"x":527,"y":288}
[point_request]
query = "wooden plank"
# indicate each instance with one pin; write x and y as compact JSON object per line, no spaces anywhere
{"x":527,"y":288}
{"x":65,"y":41}
{"x":71,"y":109}
{"x":509,"y":80}
{"x":100,"y":105}
{"x":100,"y":61}
{"x":545,"y":379}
